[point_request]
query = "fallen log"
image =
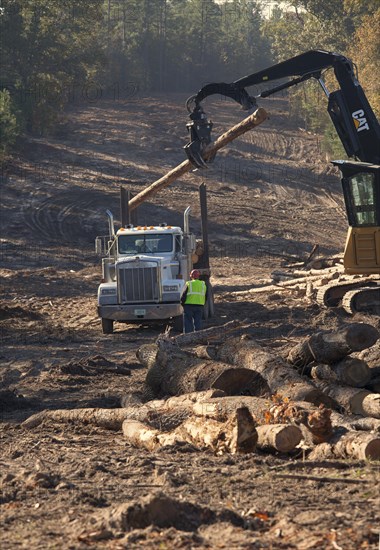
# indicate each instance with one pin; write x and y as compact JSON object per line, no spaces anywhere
{"x":358,"y":445}
{"x":142,"y":436}
{"x":366,"y":424}
{"x":280,"y":437}
{"x":330,"y":347}
{"x":353,"y":400}
{"x":279,"y":376}
{"x":206,"y":335}
{"x":172,"y":371}
{"x":266,"y":411}
{"x":349,"y":371}
{"x":112,"y":419}
{"x":374,"y":385}
{"x":239,"y":129}
{"x":299,"y":282}
{"x":237,"y":435}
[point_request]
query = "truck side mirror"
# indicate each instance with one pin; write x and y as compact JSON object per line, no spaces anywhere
{"x":190,"y":244}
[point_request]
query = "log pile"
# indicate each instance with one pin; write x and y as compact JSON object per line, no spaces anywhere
{"x":304,"y":280}
{"x":232,"y":396}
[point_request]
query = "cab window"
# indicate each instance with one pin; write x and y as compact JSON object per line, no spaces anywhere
{"x":363,"y":199}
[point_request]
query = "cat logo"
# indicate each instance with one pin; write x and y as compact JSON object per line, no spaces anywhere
{"x":359,"y":120}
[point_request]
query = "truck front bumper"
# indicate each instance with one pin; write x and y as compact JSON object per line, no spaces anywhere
{"x":140,"y":312}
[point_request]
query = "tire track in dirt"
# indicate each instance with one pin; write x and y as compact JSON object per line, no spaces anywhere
{"x":56,"y":218}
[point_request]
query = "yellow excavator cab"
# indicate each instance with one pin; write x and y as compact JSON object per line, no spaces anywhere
{"x":361,"y":189}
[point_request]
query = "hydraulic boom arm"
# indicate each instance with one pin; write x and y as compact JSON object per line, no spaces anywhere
{"x":348,"y":107}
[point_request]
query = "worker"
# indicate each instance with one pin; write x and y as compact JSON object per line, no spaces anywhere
{"x":193,"y":300}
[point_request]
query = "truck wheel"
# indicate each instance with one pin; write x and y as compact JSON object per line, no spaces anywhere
{"x":107,"y":326}
{"x":178,"y":323}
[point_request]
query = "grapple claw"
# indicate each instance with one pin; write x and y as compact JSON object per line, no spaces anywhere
{"x":200,"y":134}
{"x":194,"y":154}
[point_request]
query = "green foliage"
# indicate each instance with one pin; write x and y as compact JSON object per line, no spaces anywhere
{"x":350,"y":27}
{"x":51,"y":47}
{"x":168,"y":45}
{"x":47,"y":47}
{"x":8,"y":124}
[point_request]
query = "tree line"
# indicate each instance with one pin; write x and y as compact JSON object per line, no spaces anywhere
{"x":57,"y":52}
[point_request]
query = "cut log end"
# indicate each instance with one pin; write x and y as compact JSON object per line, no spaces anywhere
{"x":283,"y":438}
{"x":244,"y":434}
{"x":372,"y":450}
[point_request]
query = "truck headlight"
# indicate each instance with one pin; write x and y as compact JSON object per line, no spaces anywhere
{"x":170,"y":288}
{"x":108,"y":291}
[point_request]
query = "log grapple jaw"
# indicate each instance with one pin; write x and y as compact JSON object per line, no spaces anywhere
{"x":200,"y":136}
{"x":200,"y":127}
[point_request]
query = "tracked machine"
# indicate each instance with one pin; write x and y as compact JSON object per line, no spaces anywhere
{"x":359,"y":132}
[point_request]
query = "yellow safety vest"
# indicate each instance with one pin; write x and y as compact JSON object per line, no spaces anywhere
{"x":196,"y":292}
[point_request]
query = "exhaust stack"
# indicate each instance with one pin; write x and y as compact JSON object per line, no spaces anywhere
{"x":111,"y":224}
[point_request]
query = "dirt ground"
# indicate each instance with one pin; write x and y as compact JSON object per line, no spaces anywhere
{"x":271,"y":196}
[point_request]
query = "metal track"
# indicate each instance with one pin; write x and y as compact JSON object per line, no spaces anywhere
{"x":332,"y":294}
{"x":365,"y":299}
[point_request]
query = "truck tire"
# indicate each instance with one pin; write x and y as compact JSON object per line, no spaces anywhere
{"x":107,"y":326}
{"x":178,"y":323}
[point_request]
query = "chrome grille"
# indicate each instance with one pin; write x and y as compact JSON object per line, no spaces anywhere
{"x":137,"y":284}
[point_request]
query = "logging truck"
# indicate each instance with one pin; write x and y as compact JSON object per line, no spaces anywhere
{"x":145,"y":269}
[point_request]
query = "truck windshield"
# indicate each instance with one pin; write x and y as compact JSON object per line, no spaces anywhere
{"x":145,"y":243}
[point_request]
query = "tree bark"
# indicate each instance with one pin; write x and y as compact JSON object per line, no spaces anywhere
{"x":173,"y":372}
{"x":239,"y":129}
{"x":206,"y":335}
{"x":280,"y":377}
{"x":366,"y":424}
{"x":331,"y":347}
{"x":237,"y":435}
{"x":358,"y":445}
{"x":112,"y":419}
{"x":315,"y":419}
{"x":353,"y":400}
{"x":279,"y":437}
{"x":349,"y":371}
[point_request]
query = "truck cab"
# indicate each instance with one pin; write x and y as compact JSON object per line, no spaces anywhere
{"x":144,"y":273}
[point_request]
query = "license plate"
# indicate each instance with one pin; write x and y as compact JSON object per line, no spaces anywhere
{"x":139,"y":312}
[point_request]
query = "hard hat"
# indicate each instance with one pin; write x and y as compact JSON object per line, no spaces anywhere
{"x":195,"y":274}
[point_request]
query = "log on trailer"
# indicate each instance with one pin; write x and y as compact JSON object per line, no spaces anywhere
{"x":172,"y":371}
{"x":280,"y":377}
{"x":330,"y":347}
{"x":239,"y":129}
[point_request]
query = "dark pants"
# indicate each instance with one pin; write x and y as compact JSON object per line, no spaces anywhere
{"x":192,"y":317}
